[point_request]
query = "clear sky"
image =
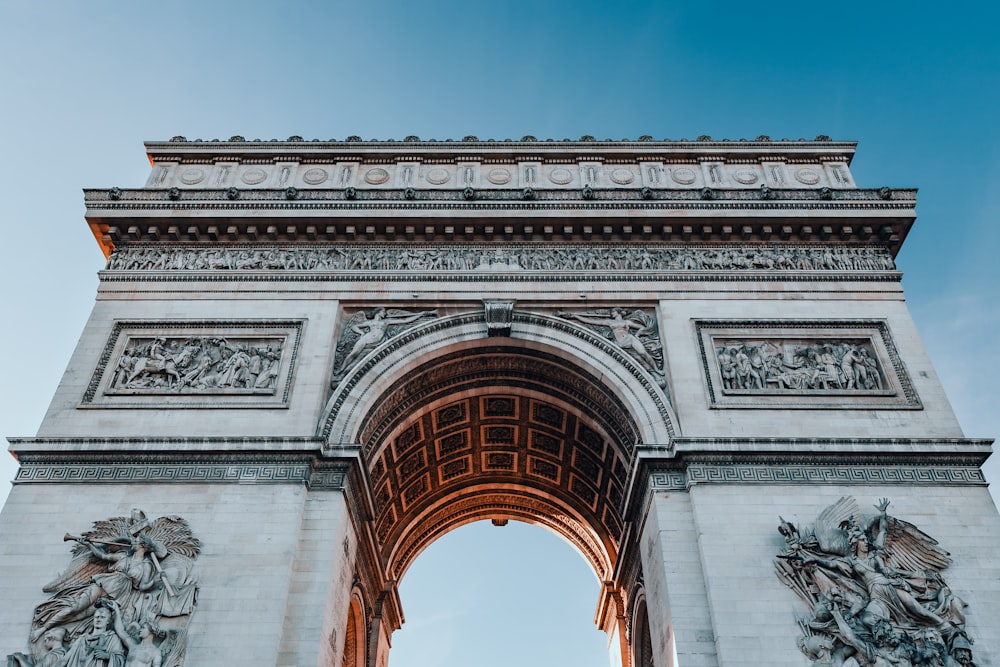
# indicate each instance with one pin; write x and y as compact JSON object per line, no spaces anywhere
{"x":82,"y":84}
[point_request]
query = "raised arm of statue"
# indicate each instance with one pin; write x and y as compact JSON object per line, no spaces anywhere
{"x":882,"y":522}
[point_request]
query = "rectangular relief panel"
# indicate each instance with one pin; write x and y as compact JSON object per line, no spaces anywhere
{"x":803,"y":364}
{"x":196,"y":364}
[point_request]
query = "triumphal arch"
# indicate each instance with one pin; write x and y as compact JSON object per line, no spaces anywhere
{"x":310,"y":359}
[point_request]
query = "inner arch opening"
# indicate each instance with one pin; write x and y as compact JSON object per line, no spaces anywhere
{"x":499,"y":596}
{"x":498,"y":432}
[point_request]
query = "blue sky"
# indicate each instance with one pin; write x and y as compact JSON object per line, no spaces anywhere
{"x":83,"y":84}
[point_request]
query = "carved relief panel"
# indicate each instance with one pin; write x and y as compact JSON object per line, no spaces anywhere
{"x":777,"y":364}
{"x":196,"y":364}
{"x":126,"y":598}
{"x":874,"y":590}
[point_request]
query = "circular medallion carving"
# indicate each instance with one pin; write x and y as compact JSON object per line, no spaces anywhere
{"x":314,"y":176}
{"x":622,"y":176}
{"x":498,"y":176}
{"x":683,"y":175}
{"x":560,"y":176}
{"x":807,"y":176}
{"x":437,"y":176}
{"x":377,"y":176}
{"x":192,"y":176}
{"x":254,"y":176}
{"x":745,"y":176}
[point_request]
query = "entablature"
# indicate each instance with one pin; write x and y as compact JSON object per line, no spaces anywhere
{"x":118,"y":217}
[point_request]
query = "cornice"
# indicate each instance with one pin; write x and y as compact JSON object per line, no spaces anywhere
{"x":726,"y":216}
{"x":473,"y":147}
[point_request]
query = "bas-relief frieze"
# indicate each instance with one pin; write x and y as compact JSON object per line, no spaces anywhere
{"x":803,"y":363}
{"x":164,"y":364}
{"x":509,"y":258}
{"x":194,"y":364}
{"x":874,"y":589}
{"x":798,"y":365}
{"x":126,"y":599}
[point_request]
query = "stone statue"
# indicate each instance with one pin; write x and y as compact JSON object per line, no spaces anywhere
{"x":125,"y":570}
{"x":636,"y":334}
{"x":142,"y":652}
{"x":100,"y":647}
{"x":362,"y":333}
{"x":51,"y":655}
{"x":875,"y":590}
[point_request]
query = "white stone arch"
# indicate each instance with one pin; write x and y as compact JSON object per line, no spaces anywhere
{"x":648,"y":404}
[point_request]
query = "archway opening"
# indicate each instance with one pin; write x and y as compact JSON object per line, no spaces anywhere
{"x":496,"y":597}
{"x":464,"y":429}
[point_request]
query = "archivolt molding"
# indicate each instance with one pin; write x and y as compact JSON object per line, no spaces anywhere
{"x":354,"y":397}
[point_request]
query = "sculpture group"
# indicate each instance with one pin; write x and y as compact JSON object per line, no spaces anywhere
{"x":125,"y":600}
{"x":776,"y":365}
{"x":875,"y":592}
{"x":197,"y":364}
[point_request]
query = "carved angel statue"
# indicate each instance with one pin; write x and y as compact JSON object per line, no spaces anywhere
{"x":361,"y":334}
{"x":126,"y":571}
{"x":635,"y":333}
{"x":874,"y":587}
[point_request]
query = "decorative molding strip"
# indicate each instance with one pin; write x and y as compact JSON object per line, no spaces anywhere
{"x":803,"y":363}
{"x":693,"y":197}
{"x":833,"y":474}
{"x":184,"y":364}
{"x":847,"y":474}
{"x":160,"y":468}
{"x":493,"y":277}
{"x":327,"y":477}
{"x":124,"y":473}
{"x":188,"y":444}
{"x":668,"y":480}
{"x":477,"y":258}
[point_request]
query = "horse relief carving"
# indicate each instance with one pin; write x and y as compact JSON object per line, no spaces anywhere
{"x":198,"y":364}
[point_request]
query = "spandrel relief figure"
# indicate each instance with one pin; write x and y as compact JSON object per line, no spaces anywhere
{"x":636,"y":333}
{"x":362,"y":333}
{"x":197,"y":364}
{"x":126,"y":599}
{"x":793,"y":365}
{"x":875,"y":591}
